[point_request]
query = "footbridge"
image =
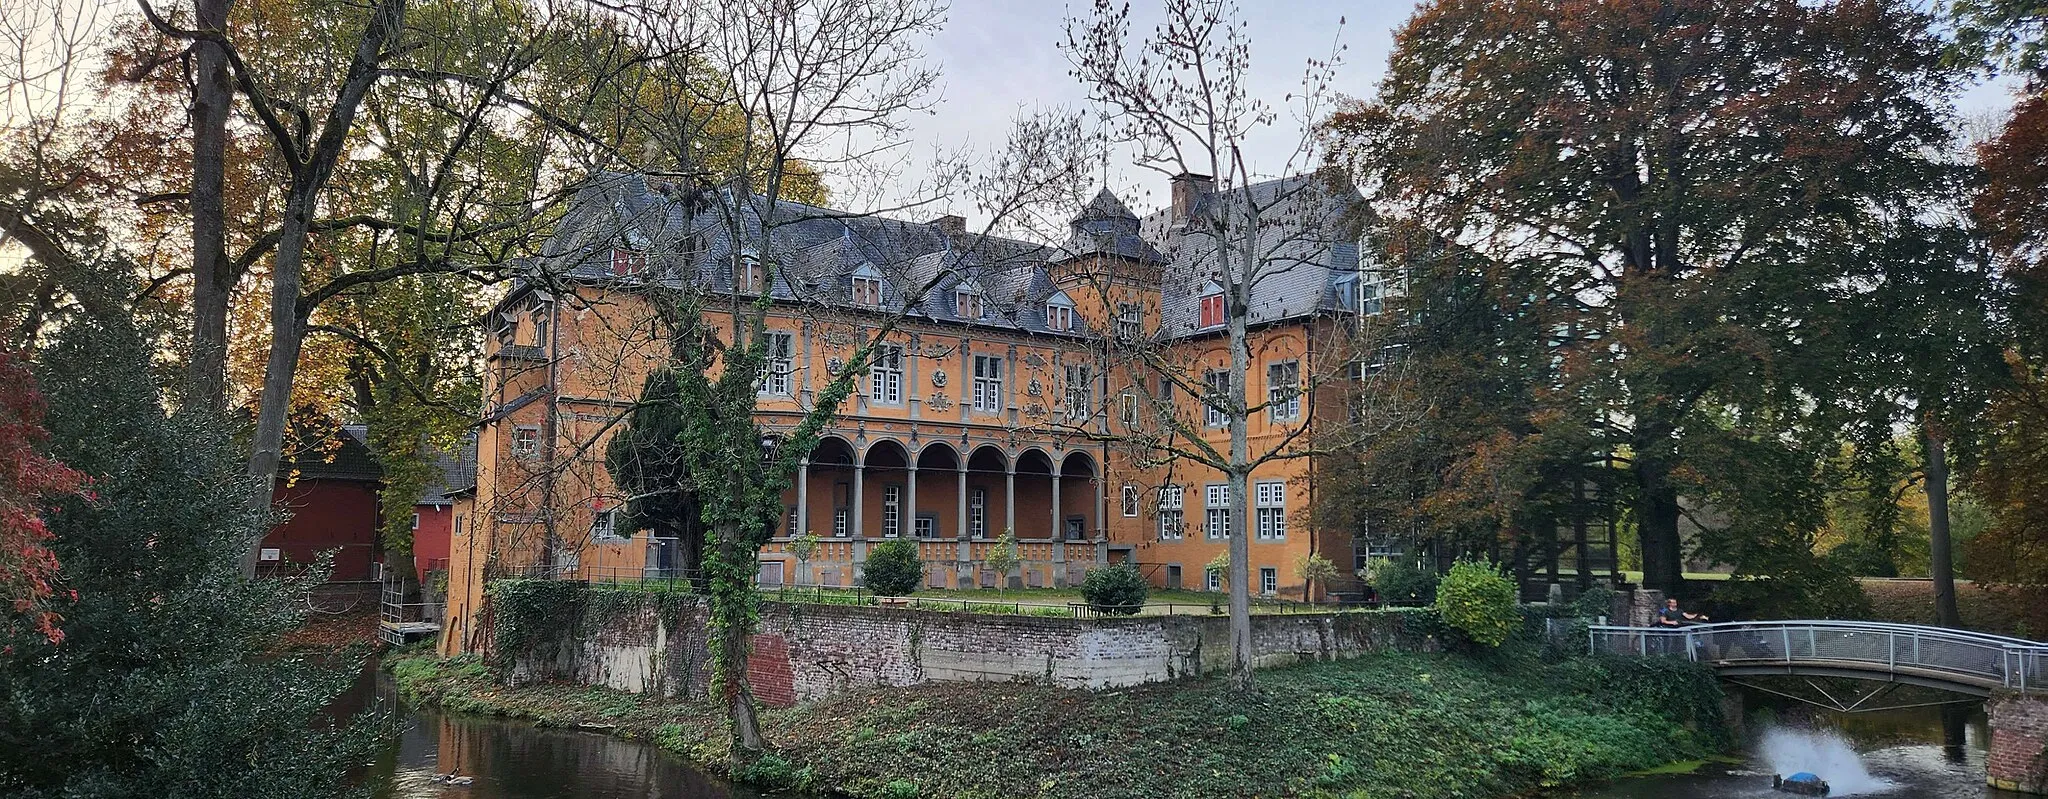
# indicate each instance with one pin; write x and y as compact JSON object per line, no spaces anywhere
{"x":2012,"y":672}
{"x":1935,"y":657}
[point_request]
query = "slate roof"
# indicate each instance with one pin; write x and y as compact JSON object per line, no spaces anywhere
{"x":325,"y":460}
{"x":1307,"y":246}
{"x":690,"y":237}
{"x":455,"y":472}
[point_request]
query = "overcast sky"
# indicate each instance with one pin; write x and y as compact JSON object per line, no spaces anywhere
{"x":1001,"y":57}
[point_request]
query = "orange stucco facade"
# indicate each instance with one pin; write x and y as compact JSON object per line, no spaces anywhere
{"x":925,"y":450}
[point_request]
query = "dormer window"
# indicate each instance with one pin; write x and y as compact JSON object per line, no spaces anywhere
{"x":967,"y":300}
{"x":1212,"y":304}
{"x":749,"y":277}
{"x":628,"y":262}
{"x":1059,"y":312}
{"x":867,"y":287}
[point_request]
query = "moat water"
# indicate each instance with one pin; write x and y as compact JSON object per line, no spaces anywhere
{"x":1901,"y":753}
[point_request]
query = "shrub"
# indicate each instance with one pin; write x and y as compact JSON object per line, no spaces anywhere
{"x":1119,"y":589}
{"x":1400,"y":580}
{"x":1476,"y":600}
{"x":893,"y":568}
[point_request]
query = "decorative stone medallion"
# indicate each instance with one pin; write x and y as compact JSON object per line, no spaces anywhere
{"x":939,"y":377}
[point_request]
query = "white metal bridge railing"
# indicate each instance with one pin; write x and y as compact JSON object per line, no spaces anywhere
{"x":1959,"y":656}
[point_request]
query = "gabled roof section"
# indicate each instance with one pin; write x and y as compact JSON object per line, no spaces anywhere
{"x":813,"y":252}
{"x":1306,"y":243}
{"x":1107,"y":227}
{"x":344,"y":454}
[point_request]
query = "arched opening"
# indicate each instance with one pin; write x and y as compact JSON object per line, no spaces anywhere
{"x":988,"y":492}
{"x":938,"y":492}
{"x":826,"y":507}
{"x":1034,"y":496}
{"x":885,"y":508}
{"x":1080,"y":492}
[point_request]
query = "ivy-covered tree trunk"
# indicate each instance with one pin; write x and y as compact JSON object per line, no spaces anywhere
{"x":734,"y":606}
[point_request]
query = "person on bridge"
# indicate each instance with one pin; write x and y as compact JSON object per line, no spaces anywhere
{"x":1671,"y":616}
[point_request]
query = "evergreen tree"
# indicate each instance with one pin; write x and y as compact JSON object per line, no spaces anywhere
{"x":168,"y":682}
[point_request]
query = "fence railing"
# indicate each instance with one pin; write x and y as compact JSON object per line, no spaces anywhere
{"x":1959,"y":655}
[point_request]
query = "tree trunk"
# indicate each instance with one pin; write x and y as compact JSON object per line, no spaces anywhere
{"x":733,"y":625}
{"x":1656,"y":516}
{"x":1240,"y":456}
{"x":1941,"y":564}
{"x":288,"y":309}
{"x":212,"y":95}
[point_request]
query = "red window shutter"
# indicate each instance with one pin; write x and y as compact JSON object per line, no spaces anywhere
{"x":1212,"y":310}
{"x":628,"y":262}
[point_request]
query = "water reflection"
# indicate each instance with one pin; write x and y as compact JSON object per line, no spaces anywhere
{"x":507,"y":759}
{"x":1928,"y":752}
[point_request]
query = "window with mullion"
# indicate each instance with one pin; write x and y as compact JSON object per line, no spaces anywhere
{"x":1214,"y":413}
{"x":1171,"y":519}
{"x":1270,"y":507}
{"x":1283,"y":391}
{"x":885,"y":379}
{"x":988,"y":383}
{"x":892,"y":511}
{"x":1216,"y":508}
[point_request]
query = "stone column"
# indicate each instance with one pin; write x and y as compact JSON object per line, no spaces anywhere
{"x":803,"y":506}
{"x":964,"y":570}
{"x":853,"y":525}
{"x":1009,"y":499}
{"x":909,"y":520}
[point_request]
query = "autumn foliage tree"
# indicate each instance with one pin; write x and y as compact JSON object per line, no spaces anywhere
{"x":1673,"y":184}
{"x":29,"y":479}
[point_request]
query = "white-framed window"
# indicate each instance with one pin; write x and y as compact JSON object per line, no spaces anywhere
{"x":458,"y":525}
{"x":892,"y":511}
{"x":867,"y":287}
{"x":415,"y":521}
{"x":1372,"y":292}
{"x":1215,"y":580}
{"x":780,"y":365}
{"x":988,"y":383}
{"x":1130,"y":322}
{"x":1216,"y":511}
{"x":1213,"y":405}
{"x":1130,"y":500}
{"x":540,"y":325}
{"x":1283,"y":391}
{"x":1127,"y":408}
{"x":1172,"y":521}
{"x":840,"y":519}
{"x":789,"y":521}
{"x":525,"y":441}
{"x":926,"y":526}
{"x":977,"y":513}
{"x":885,"y":378}
{"x":1080,"y":392}
{"x":1270,"y":510}
{"x":604,"y":526}
{"x":1269,"y":580}
{"x":968,"y":301}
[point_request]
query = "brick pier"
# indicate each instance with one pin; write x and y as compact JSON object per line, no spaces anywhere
{"x":2018,"y":758}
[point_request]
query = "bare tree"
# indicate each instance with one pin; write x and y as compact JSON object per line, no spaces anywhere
{"x":1181,"y":100}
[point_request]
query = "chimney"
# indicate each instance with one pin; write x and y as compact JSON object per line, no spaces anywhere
{"x":1188,"y":188}
{"x":950,"y":225}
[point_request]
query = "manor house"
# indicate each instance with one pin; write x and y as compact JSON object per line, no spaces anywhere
{"x":1043,"y":389}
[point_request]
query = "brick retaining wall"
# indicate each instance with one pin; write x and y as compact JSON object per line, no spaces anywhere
{"x":2017,"y":759}
{"x":805,"y":652}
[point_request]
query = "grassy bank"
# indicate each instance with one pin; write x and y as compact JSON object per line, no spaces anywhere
{"x":1390,"y":725}
{"x":2000,"y":610}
